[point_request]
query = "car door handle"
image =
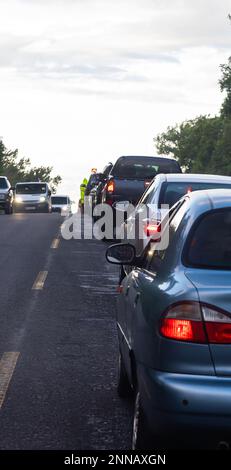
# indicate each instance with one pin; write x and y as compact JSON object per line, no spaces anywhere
{"x":136,"y":299}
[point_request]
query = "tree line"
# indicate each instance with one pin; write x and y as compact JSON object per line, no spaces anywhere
{"x":203,"y":144}
{"x":20,"y":169}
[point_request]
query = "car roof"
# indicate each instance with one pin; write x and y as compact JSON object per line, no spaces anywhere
{"x":32,"y":182}
{"x":157,"y":157}
{"x":218,"y":198}
{"x":194,"y":177}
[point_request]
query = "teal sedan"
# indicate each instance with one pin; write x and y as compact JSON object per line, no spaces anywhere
{"x":174,"y":327}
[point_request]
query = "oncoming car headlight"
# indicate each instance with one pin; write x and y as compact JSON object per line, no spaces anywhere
{"x":18,"y":199}
{"x":42,"y":198}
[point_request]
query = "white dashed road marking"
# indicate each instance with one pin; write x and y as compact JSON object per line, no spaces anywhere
{"x":55,"y":243}
{"x":7,"y":366}
{"x":40,"y":280}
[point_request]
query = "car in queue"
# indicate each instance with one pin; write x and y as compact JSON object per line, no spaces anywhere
{"x":174,"y":327}
{"x":61,"y":204}
{"x":32,"y":197}
{"x":6,"y":195}
{"x":131,"y":175}
{"x":97,"y":188}
{"x":164,"y":192}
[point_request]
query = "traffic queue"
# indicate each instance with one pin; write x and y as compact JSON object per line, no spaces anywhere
{"x":174,"y":301}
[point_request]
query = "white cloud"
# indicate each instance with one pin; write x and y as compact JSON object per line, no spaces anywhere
{"x":82,"y":81}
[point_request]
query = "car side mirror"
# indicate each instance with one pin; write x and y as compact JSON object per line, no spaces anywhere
{"x":121,"y":253}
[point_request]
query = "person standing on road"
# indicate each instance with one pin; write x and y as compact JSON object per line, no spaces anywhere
{"x":82,"y":193}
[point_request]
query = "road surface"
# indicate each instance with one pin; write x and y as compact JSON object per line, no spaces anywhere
{"x":58,"y":344}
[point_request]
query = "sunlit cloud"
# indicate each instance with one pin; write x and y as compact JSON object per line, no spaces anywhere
{"x":118,"y":71}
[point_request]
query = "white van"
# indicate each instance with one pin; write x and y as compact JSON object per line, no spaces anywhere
{"x":61,"y":204}
{"x":32,"y":197}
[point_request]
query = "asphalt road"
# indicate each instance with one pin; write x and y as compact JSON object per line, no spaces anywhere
{"x":58,"y":343}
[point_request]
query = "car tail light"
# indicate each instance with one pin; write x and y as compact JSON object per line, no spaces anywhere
{"x":183,"y":330}
{"x":197,"y":323}
{"x":147,"y":183}
{"x":110,"y":187}
{"x":183,"y":322}
{"x":189,"y":190}
{"x":152,"y":228}
{"x":218,"y":325}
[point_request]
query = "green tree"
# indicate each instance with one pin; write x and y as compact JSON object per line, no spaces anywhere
{"x":192,"y":142}
{"x":20,"y":169}
{"x":225,"y":85}
{"x":203,"y":145}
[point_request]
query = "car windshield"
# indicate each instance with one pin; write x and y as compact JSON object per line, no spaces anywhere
{"x":210,"y":244}
{"x":172,"y":192}
{"x":3,"y":183}
{"x":59,"y":200}
{"x":144,"y":167}
{"x":31,"y":188}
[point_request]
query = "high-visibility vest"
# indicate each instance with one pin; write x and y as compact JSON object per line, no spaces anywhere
{"x":82,"y":189}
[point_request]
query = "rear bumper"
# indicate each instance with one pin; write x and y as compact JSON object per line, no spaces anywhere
{"x":112,"y":198}
{"x":183,"y":403}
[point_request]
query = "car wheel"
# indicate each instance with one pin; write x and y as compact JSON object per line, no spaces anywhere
{"x":8,"y":209}
{"x":123,"y":388}
{"x":142,"y":437}
{"x":47,"y":209}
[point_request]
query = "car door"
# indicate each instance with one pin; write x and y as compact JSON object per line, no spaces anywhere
{"x":142,"y":297}
{"x":122,"y":307}
{"x":147,"y":292}
{"x":135,"y":225}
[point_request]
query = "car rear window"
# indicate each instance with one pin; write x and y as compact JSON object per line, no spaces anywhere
{"x":143,"y":167}
{"x":59,"y":200}
{"x":3,"y":183}
{"x":210,"y":243}
{"x":172,"y":192}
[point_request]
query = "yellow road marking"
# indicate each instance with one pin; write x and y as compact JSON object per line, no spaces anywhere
{"x":7,"y":366}
{"x":55,"y":243}
{"x":40,"y":280}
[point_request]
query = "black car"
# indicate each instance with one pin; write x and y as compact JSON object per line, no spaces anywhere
{"x":6,"y":195}
{"x":131,"y":175}
{"x":96,"y":185}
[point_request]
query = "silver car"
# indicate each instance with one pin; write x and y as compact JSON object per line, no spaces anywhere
{"x":32,"y":197}
{"x":61,"y":204}
{"x":164,"y":191}
{"x":174,"y":328}
{"x":6,"y":195}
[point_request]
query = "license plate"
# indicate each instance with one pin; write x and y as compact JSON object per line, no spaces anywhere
{"x":30,"y":208}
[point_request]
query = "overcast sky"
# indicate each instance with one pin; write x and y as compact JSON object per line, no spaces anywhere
{"x":85,"y":81}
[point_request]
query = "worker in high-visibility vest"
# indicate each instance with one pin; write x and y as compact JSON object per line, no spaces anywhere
{"x":82,"y":192}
